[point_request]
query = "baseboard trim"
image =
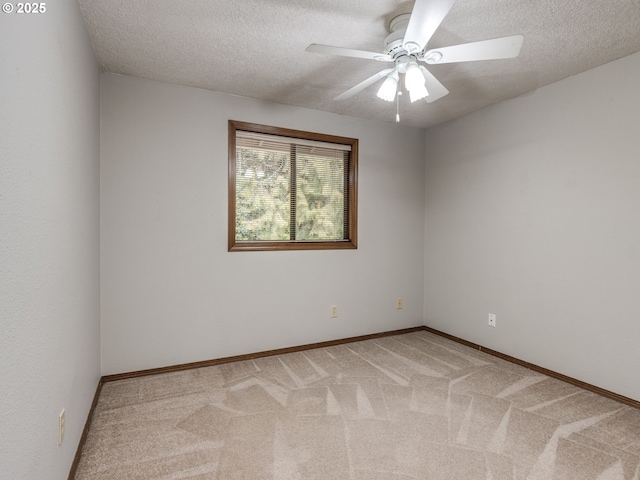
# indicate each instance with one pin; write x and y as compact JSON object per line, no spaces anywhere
{"x":85,"y":432}
{"x":280,"y":351}
{"x":536,"y":368}
{"x":251,"y":356}
{"x":208,"y":363}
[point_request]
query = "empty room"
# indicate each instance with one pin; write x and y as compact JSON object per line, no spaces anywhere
{"x":320,"y":239}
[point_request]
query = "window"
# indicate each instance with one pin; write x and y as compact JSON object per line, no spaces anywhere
{"x":291,"y":190}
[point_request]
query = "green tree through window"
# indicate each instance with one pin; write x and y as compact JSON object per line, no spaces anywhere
{"x":290,"y":189}
{"x":262,"y":195}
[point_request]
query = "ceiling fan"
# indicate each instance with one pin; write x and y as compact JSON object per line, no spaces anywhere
{"x":405,"y":47}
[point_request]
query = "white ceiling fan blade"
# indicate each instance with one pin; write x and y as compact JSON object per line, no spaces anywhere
{"x":348,"y":52}
{"x":434,"y":87}
{"x":362,"y":85}
{"x":426,"y":17}
{"x":497,"y":48}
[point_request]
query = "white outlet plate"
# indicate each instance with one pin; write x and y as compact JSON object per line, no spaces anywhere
{"x":61,"y":427}
{"x":399,"y":303}
{"x":492,"y":319}
{"x":334,"y":311}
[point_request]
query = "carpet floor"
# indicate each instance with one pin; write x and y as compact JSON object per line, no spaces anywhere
{"x":405,"y":407}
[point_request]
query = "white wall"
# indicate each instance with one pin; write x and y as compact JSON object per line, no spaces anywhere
{"x":171,"y":293}
{"x":49,"y":238}
{"x":533,"y":213}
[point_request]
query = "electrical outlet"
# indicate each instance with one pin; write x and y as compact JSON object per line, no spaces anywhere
{"x":399,"y":303}
{"x":334,"y":311}
{"x":492,"y":319}
{"x":61,"y":427}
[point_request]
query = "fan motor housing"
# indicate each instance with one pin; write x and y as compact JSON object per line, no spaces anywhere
{"x":393,"y":44}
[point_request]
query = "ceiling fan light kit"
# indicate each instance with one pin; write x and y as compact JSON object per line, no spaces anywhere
{"x":418,"y":93}
{"x":413,"y":77}
{"x":389,"y":87}
{"x":406,"y":45}
{"x":414,"y":82}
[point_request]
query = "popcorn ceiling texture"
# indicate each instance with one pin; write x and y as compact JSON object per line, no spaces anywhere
{"x":256,"y":48}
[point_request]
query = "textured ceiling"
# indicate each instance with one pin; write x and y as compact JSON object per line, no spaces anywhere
{"x":256,"y":48}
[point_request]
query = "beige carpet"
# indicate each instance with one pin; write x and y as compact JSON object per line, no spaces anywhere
{"x":412,"y":406}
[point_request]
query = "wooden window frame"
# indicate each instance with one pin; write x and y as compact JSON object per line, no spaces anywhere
{"x":352,"y":182}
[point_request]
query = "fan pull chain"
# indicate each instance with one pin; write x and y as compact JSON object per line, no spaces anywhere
{"x":398,"y":107}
